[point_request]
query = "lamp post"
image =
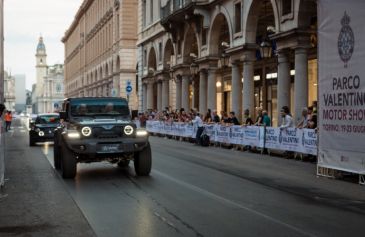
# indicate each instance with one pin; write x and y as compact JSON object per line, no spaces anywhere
{"x":265,"y":51}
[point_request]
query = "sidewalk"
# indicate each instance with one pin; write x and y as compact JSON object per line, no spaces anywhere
{"x":34,"y":200}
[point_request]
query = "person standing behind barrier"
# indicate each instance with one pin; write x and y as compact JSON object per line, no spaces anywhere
{"x":208,"y":117}
{"x":8,"y":119}
{"x":233,"y":118}
{"x":247,"y":121}
{"x":259,"y":119}
{"x":199,"y":122}
{"x":266,"y":119}
{"x":287,"y":122}
{"x":303,"y":123}
{"x":216,"y":118}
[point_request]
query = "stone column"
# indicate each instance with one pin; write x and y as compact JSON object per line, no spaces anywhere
{"x":203,"y":92}
{"x":283,"y":82}
{"x":150,"y":96}
{"x":185,"y":92}
{"x":195,"y":103}
{"x":159,"y":96}
{"x":165,"y":94}
{"x":144,"y":95}
{"x":236,"y":90}
{"x":178,"y":92}
{"x":248,"y":98}
{"x":300,"y":82}
{"x":212,"y":90}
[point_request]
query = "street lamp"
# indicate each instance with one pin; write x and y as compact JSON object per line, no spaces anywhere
{"x":265,"y":51}
{"x":172,"y":74}
{"x":194,"y":68}
{"x":224,"y":60}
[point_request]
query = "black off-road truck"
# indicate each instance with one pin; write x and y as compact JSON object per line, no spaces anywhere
{"x":96,"y":129}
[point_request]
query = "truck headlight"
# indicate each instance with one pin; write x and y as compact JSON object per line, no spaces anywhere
{"x":128,"y":130}
{"x":141,"y":133}
{"x":73,"y":134}
{"x":41,"y":133}
{"x":86,"y":131}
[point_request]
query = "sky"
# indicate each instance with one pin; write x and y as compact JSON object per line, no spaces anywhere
{"x":25,"y":21}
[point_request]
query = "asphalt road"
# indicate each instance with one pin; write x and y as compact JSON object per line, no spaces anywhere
{"x":199,"y":191}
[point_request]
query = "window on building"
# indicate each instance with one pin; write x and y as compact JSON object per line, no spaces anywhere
{"x":237,"y":17}
{"x":179,"y":47}
{"x":160,"y":51}
{"x":145,"y":57}
{"x":144,"y":13}
{"x":151,"y":11}
{"x":286,"y":6}
{"x":204,"y":36}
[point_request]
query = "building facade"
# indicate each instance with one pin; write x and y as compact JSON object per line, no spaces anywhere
{"x":228,"y":55}
{"x":48,"y":93}
{"x":20,"y":93}
{"x":100,"y":50}
{"x":9,"y":91}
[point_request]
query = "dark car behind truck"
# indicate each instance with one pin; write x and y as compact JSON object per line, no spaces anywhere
{"x":99,"y":129}
{"x":42,"y":128}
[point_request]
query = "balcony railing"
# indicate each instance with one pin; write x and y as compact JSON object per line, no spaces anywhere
{"x":172,"y":6}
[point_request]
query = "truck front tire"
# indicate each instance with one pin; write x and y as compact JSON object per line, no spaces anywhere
{"x":143,"y":161}
{"x":68,"y":163}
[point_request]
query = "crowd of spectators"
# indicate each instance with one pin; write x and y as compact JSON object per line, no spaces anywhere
{"x":308,"y":120}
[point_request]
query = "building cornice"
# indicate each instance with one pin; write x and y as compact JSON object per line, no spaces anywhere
{"x":83,"y":8}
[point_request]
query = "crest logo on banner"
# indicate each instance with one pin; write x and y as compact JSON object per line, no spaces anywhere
{"x":346,"y":40}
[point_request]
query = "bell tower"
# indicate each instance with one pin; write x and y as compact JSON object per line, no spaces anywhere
{"x":41,"y":65}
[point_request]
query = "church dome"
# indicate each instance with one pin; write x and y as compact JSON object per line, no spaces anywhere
{"x":41,"y":46}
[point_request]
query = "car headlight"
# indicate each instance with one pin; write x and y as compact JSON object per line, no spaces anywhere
{"x":128,"y":130}
{"x":141,"y":133}
{"x":86,"y":131}
{"x":41,"y":133}
{"x":73,"y":134}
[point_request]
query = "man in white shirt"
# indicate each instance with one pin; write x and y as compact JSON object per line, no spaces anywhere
{"x":199,"y":123}
{"x":287,"y":120}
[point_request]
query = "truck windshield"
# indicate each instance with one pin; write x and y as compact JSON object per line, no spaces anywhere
{"x":99,"y":107}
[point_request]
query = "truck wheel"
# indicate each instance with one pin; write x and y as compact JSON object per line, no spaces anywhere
{"x":31,"y":141}
{"x":56,"y":154}
{"x":143,"y":161}
{"x":123,"y":163}
{"x":68,"y":163}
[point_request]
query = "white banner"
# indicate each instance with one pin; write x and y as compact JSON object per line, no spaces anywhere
{"x":341,"y":56}
{"x":290,"y":139}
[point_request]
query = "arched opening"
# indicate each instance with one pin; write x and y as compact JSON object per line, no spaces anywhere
{"x":307,"y":20}
{"x":219,"y":36}
{"x":169,"y":55}
{"x":95,"y":76}
{"x":100,"y":73}
{"x":106,"y":70}
{"x":260,"y":24}
{"x":219,"y":41}
{"x":152,"y":65}
{"x":117,"y":65}
{"x":191,"y":48}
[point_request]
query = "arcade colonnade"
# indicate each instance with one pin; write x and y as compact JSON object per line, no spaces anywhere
{"x":207,"y":59}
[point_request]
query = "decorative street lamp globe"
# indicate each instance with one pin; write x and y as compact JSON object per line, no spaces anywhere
{"x":265,"y":49}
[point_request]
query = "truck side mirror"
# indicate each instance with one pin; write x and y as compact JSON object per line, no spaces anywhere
{"x":63,"y":115}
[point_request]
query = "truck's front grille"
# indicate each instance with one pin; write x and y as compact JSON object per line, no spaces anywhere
{"x":100,"y":132}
